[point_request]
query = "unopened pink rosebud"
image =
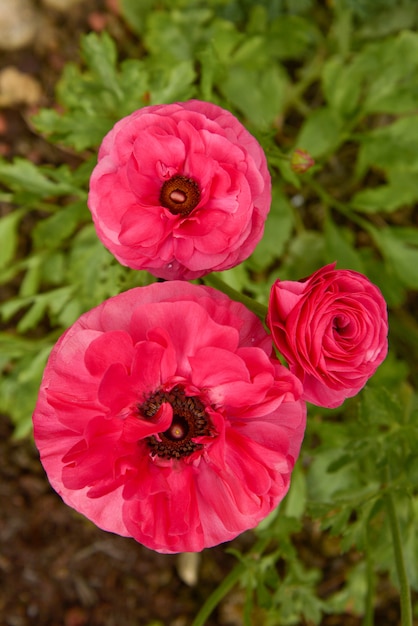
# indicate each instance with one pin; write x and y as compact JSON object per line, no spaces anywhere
{"x":301,"y":161}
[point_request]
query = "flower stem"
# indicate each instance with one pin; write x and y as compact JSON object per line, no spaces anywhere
{"x":228,"y":583}
{"x":221,"y":591}
{"x":405,"y":593}
{"x":370,"y":578}
{"x":256,"y":307}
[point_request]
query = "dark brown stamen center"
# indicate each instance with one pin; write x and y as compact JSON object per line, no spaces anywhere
{"x":189,"y":420}
{"x":180,"y":195}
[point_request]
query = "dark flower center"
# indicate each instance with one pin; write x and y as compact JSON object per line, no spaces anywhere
{"x":180,"y":195}
{"x":189,"y":420}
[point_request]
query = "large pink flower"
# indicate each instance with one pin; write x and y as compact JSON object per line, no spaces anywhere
{"x":163,"y":416}
{"x":180,"y":190}
{"x":332,"y":329}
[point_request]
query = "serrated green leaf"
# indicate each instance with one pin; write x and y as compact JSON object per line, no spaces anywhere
{"x":134,"y":83}
{"x":51,"y":232}
{"x":23,"y":175}
{"x":263,"y":103}
{"x":93,"y":271}
{"x":402,"y":190}
{"x":378,"y":406}
{"x":75,"y":129}
{"x":382,"y":77}
{"x":169,"y":38}
{"x":172,"y":84}
{"x":390,"y":147}
{"x":394,"y":87}
{"x":100,"y":54}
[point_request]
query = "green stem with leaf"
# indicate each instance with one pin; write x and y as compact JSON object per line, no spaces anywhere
{"x":228,"y":583}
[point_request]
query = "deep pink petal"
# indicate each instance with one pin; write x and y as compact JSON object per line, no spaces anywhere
{"x":109,"y":348}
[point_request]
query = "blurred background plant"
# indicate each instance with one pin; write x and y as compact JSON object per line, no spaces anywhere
{"x":340,"y":81}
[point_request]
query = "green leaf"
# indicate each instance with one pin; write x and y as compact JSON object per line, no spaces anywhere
{"x":292,"y":37}
{"x":402,"y":190}
{"x":236,"y":277}
{"x":23,"y":175}
{"x":390,"y":147}
{"x":173,"y":83}
{"x":135,"y":13}
{"x":339,"y":248}
{"x":394,"y":88}
{"x":8,"y":236}
{"x":277,"y":231}
{"x":225,"y":39}
{"x":32,"y":279}
{"x":305,"y":254}
{"x":94,"y":99}
{"x":75,"y":129}
{"x":324,"y":486}
{"x":134,"y":84}
{"x":51,"y":232}
{"x":399,"y":247}
{"x":295,"y":503}
{"x":25,"y":374}
{"x":100,"y":54}
{"x":382,"y":77}
{"x":95,"y":274}
{"x":342,"y":86}
{"x":394,"y":17}
{"x":169,"y":38}
{"x":378,"y":406}
{"x":321,"y":132}
{"x":382,"y":274}
{"x":258,"y":94}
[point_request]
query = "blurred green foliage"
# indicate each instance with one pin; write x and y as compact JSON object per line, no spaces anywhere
{"x":339,"y":79}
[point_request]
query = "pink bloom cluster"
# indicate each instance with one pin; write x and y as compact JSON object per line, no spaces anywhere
{"x":332,"y":330}
{"x":180,"y":190}
{"x":163,"y":415}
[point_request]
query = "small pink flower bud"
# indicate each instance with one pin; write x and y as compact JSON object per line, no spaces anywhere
{"x":301,"y":161}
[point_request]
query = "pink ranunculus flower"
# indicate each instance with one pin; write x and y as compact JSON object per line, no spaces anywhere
{"x":163,"y":415}
{"x":180,"y":190}
{"x":332,"y":329}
